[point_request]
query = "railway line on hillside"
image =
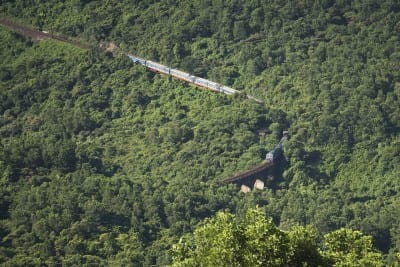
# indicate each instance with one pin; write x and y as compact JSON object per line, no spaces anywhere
{"x":39,"y":35}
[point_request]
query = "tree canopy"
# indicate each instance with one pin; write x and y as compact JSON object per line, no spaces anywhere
{"x":253,"y":240}
{"x":105,"y":163}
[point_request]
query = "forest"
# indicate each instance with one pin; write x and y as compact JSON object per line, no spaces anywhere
{"x":104,"y":163}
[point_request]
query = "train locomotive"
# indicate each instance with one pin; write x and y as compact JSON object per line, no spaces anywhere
{"x":277,"y":151}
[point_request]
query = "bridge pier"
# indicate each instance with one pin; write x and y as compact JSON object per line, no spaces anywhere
{"x":247,"y":186}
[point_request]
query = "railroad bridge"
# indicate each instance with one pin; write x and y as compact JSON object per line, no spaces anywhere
{"x":251,"y":178}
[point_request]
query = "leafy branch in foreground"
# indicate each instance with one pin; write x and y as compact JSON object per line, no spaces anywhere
{"x":254,"y":240}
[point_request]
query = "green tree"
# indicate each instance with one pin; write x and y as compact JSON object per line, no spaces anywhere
{"x":304,"y":244}
{"x":228,"y":240}
{"x":253,"y":240}
{"x":240,"y":30}
{"x":346,"y":247}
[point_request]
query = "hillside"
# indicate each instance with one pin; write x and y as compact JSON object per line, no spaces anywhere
{"x":97,"y":153}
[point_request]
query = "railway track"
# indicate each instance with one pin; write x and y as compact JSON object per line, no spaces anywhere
{"x":257,"y":169}
{"x":24,"y":30}
{"x":38,"y":35}
{"x":35,"y":34}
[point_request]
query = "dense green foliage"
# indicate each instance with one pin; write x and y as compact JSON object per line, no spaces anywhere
{"x":102,"y":162}
{"x":253,"y":240}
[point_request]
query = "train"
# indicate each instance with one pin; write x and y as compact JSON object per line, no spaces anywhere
{"x":277,"y":151}
{"x":213,"y":86}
